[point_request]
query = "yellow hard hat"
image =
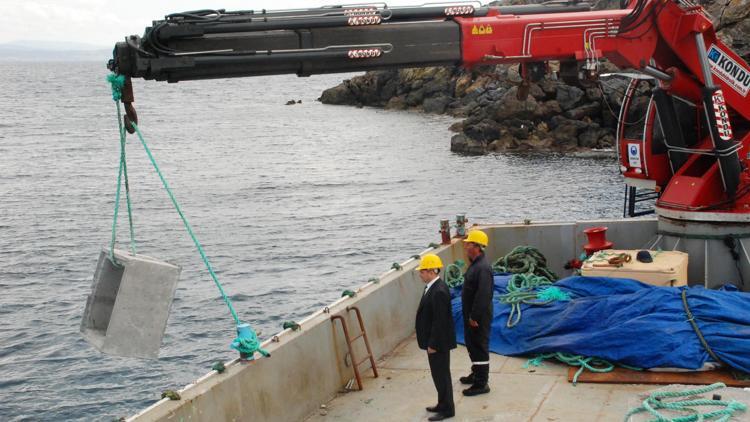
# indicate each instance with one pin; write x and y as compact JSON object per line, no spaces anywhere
{"x":430,"y":262}
{"x":479,"y":237}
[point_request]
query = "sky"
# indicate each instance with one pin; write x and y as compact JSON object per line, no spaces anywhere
{"x":104,"y":22}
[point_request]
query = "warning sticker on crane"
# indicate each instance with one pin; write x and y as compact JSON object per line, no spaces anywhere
{"x":722,"y":116}
{"x":481,"y":30}
{"x":634,"y":155}
{"x":729,"y":70}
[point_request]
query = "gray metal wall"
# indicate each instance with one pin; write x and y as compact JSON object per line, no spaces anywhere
{"x":561,"y":242}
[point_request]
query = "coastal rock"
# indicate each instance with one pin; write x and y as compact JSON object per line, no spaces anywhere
{"x":396,"y":103}
{"x":732,"y":22}
{"x":568,"y":96}
{"x":436,"y":105}
{"x":586,"y":110}
{"x":463,"y":144}
{"x":339,"y":94}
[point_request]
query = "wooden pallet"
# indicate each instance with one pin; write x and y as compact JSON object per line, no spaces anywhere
{"x":628,"y":376}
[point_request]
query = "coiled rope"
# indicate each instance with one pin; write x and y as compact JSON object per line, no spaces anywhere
{"x":656,"y":402}
{"x":529,"y":289}
{"x":524,"y":260}
{"x":454,"y":275}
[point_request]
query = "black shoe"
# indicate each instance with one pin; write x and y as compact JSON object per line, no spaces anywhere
{"x":434,"y":409}
{"x":441,"y":416}
{"x":476,"y":390}
{"x":468,"y":380}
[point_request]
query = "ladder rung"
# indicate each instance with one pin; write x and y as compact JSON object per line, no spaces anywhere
{"x":354,"y":338}
{"x":363,"y":360}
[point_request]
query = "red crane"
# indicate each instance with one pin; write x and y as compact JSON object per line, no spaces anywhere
{"x":690,"y":145}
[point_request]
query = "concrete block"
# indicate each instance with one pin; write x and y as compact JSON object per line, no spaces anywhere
{"x":127,"y":311}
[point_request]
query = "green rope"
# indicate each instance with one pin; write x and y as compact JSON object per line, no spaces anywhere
{"x":433,"y":245}
{"x":291,"y":325}
{"x":249,"y":345}
{"x":655,"y":402}
{"x":349,"y":293}
{"x":524,"y":260}
{"x":585,"y":363}
{"x":219,"y":367}
{"x":396,"y":266}
{"x":117,"y":84}
{"x":187,"y":225}
{"x":529,"y":289}
{"x":691,"y":319}
{"x":171,"y":395}
{"x":454,"y":275}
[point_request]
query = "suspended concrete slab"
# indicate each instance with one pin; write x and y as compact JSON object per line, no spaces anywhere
{"x":127,"y":311}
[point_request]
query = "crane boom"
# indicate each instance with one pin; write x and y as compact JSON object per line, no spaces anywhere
{"x":694,"y":130}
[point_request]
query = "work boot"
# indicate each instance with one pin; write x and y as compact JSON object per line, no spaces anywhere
{"x":468,"y":380}
{"x":441,"y":416}
{"x":476,"y":390}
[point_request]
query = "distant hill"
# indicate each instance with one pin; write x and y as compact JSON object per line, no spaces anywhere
{"x":52,"y":51}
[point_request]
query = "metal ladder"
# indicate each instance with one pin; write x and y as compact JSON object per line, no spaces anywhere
{"x":350,"y":341}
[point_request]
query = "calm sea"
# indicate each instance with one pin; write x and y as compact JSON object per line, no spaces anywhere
{"x":293,"y":204}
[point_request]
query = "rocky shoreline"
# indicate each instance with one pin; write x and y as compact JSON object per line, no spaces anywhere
{"x":554,"y":117}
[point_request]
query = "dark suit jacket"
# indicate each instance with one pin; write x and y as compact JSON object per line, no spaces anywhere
{"x":435,"y":319}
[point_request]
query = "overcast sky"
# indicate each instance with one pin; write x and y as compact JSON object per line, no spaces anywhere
{"x":104,"y":22}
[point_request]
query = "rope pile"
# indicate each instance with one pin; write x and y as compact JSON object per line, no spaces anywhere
{"x":529,"y":289}
{"x":524,"y":260}
{"x":454,"y":275}
{"x":656,"y":402}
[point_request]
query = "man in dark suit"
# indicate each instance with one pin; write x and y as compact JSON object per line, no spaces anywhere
{"x":436,"y":333}
{"x":476,"y":300}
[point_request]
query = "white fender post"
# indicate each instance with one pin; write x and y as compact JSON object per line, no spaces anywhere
{"x":127,"y":311}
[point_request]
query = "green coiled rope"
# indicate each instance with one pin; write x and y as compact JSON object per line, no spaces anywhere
{"x":524,"y":260}
{"x":656,"y":402}
{"x":529,"y":289}
{"x":454,"y":275}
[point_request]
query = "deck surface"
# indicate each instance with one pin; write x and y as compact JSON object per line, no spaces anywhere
{"x":543,"y":394}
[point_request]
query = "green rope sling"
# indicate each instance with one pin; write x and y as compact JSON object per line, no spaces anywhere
{"x":118,"y":82}
{"x":248,"y":344}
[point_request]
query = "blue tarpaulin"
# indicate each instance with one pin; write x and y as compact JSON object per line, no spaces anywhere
{"x":625,"y":321}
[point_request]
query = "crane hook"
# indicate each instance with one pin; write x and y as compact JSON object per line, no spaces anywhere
{"x":128,"y":98}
